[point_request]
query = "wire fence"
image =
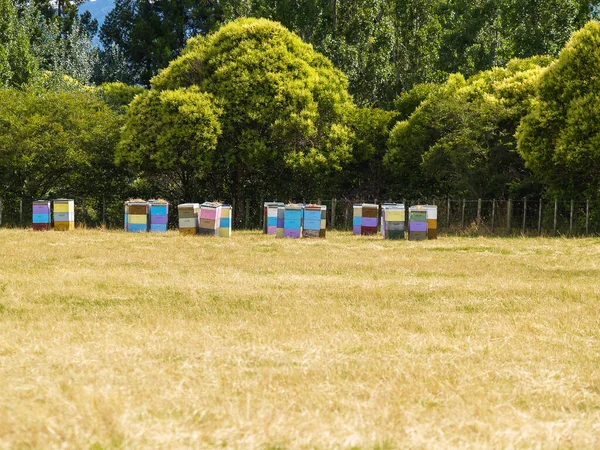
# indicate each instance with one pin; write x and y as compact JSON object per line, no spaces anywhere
{"x":528,"y":216}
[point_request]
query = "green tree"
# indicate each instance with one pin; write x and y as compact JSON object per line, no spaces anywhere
{"x":17,"y":62}
{"x":119,"y":95}
{"x":172,"y":134}
{"x":54,"y":143}
{"x":560,"y":138}
{"x":461,"y":140}
{"x":284,"y":106}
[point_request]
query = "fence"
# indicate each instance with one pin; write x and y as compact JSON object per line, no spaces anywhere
{"x":528,"y":216}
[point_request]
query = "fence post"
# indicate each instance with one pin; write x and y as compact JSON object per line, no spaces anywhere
{"x":571,"y":218}
{"x":448,"y":216}
{"x":0,"y":212}
{"x":509,"y":217}
{"x":462,"y":218}
{"x":587,"y":216}
{"x":540,"y":218}
{"x":104,"y":211}
{"x":478,"y":211}
{"x":493,"y":212}
{"x":555,"y":214}
{"x":524,"y":215}
{"x":333,"y":205}
{"x":247,"y":214}
{"x":21,"y":212}
{"x":348,"y":204}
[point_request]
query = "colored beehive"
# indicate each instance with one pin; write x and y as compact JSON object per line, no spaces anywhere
{"x":369,"y":219}
{"x":41,"y":219}
{"x":357,"y":219}
{"x":189,"y":218}
{"x":158,"y":216}
{"x":323,"y":230}
{"x":312,"y":221}
{"x":210,"y":218}
{"x":280,"y":221}
{"x":226,"y":221}
{"x":64,"y":214}
{"x":432,"y":221}
{"x":393,"y":220}
{"x":270,"y":217}
{"x":417,"y":223}
{"x":136,"y":216}
{"x":292,"y":221}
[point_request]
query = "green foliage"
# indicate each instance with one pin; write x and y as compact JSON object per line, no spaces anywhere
{"x":172,"y":132}
{"x":560,"y":138}
{"x":408,"y":101}
{"x":284,"y":105}
{"x":119,"y":95}
{"x":56,"y":142}
{"x":460,"y":141}
{"x":364,"y":176}
{"x":17,"y":63}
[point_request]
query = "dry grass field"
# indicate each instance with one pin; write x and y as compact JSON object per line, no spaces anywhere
{"x":115,"y":340}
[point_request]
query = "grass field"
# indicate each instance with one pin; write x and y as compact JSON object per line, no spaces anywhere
{"x":115,"y":340}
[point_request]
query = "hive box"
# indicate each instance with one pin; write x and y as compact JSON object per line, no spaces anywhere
{"x":158,"y":215}
{"x":369,"y":219}
{"x":323,"y":230}
{"x":356,"y":219}
{"x":64,"y":214}
{"x":136,"y":216}
{"x":417,"y":223}
{"x":393,"y":220}
{"x":41,"y":219}
{"x":292,"y":221}
{"x":226,"y":221}
{"x":270,"y":217}
{"x":210,"y":218}
{"x":432,"y":221}
{"x":312,"y":221}
{"x":280,"y":221}
{"x":189,"y":218}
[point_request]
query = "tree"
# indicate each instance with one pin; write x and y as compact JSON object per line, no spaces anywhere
{"x":119,"y":95}
{"x":284,"y":107}
{"x":54,"y":143}
{"x":149,"y":34}
{"x":18,"y":64}
{"x":173,"y":133}
{"x":460,"y":140}
{"x":560,"y":138}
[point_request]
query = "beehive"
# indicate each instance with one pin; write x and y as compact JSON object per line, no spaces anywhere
{"x":292,"y":221}
{"x":417,"y":223}
{"x":323,"y":230}
{"x":225,"y":223}
{"x":270,"y":217}
{"x":136,"y":216}
{"x":189,"y":218}
{"x":210,"y":218}
{"x":280,"y":221}
{"x":357,"y":219}
{"x":41,"y":219}
{"x":369,"y":220}
{"x":393,"y":220}
{"x":158,"y":216}
{"x":432,"y":221}
{"x":312,"y":221}
{"x":64,"y":214}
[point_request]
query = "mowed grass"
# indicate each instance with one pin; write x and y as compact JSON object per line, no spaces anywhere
{"x":115,"y":340}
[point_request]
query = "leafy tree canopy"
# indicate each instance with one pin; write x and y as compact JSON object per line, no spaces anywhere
{"x":284,"y":105}
{"x":461,"y":141}
{"x":560,"y":138}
